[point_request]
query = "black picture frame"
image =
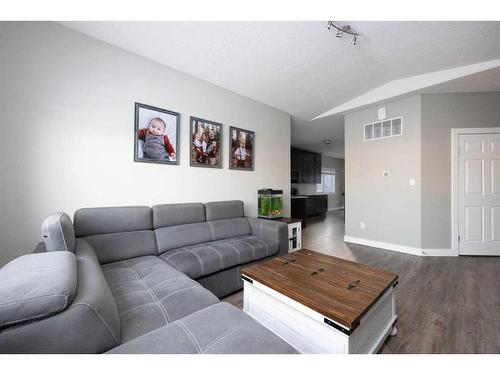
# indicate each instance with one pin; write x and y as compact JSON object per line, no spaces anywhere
{"x":212,"y":153}
{"x":235,"y":162}
{"x":144,"y":114}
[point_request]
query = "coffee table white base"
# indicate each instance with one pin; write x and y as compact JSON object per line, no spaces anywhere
{"x":306,"y":329}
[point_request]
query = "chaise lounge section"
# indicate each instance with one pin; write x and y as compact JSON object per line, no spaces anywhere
{"x":139,"y":280}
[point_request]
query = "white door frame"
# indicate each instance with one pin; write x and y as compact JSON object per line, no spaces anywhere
{"x":455,"y":132}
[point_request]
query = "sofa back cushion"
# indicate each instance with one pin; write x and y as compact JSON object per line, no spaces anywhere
{"x":113,"y":247}
{"x":178,"y":236}
{"x":90,"y":324}
{"x":224,"y":210}
{"x":102,"y":220}
{"x":35,"y":286}
{"x":167,"y":215}
{"x":222,"y":229}
{"x":58,"y":233}
{"x":117,"y":233}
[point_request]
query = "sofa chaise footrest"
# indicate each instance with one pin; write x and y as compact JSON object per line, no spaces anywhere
{"x":217,"y":329}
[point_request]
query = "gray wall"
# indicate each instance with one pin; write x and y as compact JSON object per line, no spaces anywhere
{"x":441,"y":113}
{"x":394,"y":212}
{"x":389,"y":207}
{"x":67,"y":123}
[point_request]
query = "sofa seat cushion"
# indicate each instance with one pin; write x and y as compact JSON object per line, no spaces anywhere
{"x":217,"y":329}
{"x":210,"y":257}
{"x":150,"y":294}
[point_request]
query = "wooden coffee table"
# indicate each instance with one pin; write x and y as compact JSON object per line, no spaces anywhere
{"x":322,"y":304}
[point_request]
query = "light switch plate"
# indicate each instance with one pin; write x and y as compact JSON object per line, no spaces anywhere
{"x":412,"y":182}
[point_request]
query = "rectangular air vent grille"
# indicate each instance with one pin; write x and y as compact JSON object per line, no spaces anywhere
{"x":384,"y":129}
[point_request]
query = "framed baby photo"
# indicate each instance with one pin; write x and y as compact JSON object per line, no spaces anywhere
{"x":241,"y":149}
{"x":206,"y":143}
{"x":156,"y":135}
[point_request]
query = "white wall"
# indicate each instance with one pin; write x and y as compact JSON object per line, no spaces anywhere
{"x":67,"y":123}
{"x":389,"y":207}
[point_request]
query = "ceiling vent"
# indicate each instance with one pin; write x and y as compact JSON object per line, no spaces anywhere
{"x":383,"y":129}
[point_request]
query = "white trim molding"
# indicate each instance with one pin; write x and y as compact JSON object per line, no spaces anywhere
{"x":401,"y":248}
{"x":439,"y":253}
{"x":407,"y":85}
{"x":455,"y":133}
{"x":384,"y":245}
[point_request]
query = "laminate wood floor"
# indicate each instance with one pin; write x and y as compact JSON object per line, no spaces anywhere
{"x":444,"y":304}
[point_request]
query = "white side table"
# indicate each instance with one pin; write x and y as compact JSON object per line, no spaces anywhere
{"x":294,"y":233}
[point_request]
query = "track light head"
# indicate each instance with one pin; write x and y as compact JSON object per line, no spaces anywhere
{"x":342,"y":30}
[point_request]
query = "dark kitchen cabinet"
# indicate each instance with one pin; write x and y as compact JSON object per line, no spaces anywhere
{"x":310,"y":167}
{"x":305,"y":166}
{"x":317,"y":172}
{"x":299,"y":209}
{"x":294,"y":166}
{"x":316,"y":204}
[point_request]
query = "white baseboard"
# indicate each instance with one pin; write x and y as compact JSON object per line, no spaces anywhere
{"x":439,"y":253}
{"x":335,"y":208}
{"x":401,"y":248}
{"x":384,"y":245}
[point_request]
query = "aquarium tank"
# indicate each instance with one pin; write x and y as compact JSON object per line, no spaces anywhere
{"x":270,"y":203}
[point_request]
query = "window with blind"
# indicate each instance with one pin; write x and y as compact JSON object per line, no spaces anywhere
{"x":327,"y":184}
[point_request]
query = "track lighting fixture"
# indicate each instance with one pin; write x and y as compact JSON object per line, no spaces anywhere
{"x":341,"y":30}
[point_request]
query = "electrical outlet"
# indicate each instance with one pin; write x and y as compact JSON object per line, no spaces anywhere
{"x":362,"y":226}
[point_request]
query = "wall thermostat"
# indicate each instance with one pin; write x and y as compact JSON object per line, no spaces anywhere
{"x":381,"y":113}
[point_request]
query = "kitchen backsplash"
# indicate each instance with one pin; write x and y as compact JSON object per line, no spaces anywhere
{"x":305,"y":189}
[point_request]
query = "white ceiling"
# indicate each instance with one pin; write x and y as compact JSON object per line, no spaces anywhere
{"x":301,"y":67}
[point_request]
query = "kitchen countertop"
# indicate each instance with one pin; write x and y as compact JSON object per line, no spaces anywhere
{"x":307,"y":195}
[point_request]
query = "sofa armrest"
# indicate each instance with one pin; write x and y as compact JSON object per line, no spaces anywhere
{"x":271,"y":230}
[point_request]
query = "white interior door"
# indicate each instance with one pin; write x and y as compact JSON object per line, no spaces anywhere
{"x":479,"y":194}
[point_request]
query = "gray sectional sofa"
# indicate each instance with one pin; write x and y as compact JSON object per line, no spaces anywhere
{"x":139,"y":280}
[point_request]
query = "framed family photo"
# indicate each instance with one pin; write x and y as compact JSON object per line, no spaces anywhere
{"x":241,"y":149}
{"x":156,"y":135}
{"x":206,"y":143}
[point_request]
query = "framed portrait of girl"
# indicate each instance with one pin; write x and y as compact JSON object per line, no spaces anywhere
{"x":241,"y":149}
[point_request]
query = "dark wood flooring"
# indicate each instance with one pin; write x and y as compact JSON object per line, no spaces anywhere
{"x":444,"y":304}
